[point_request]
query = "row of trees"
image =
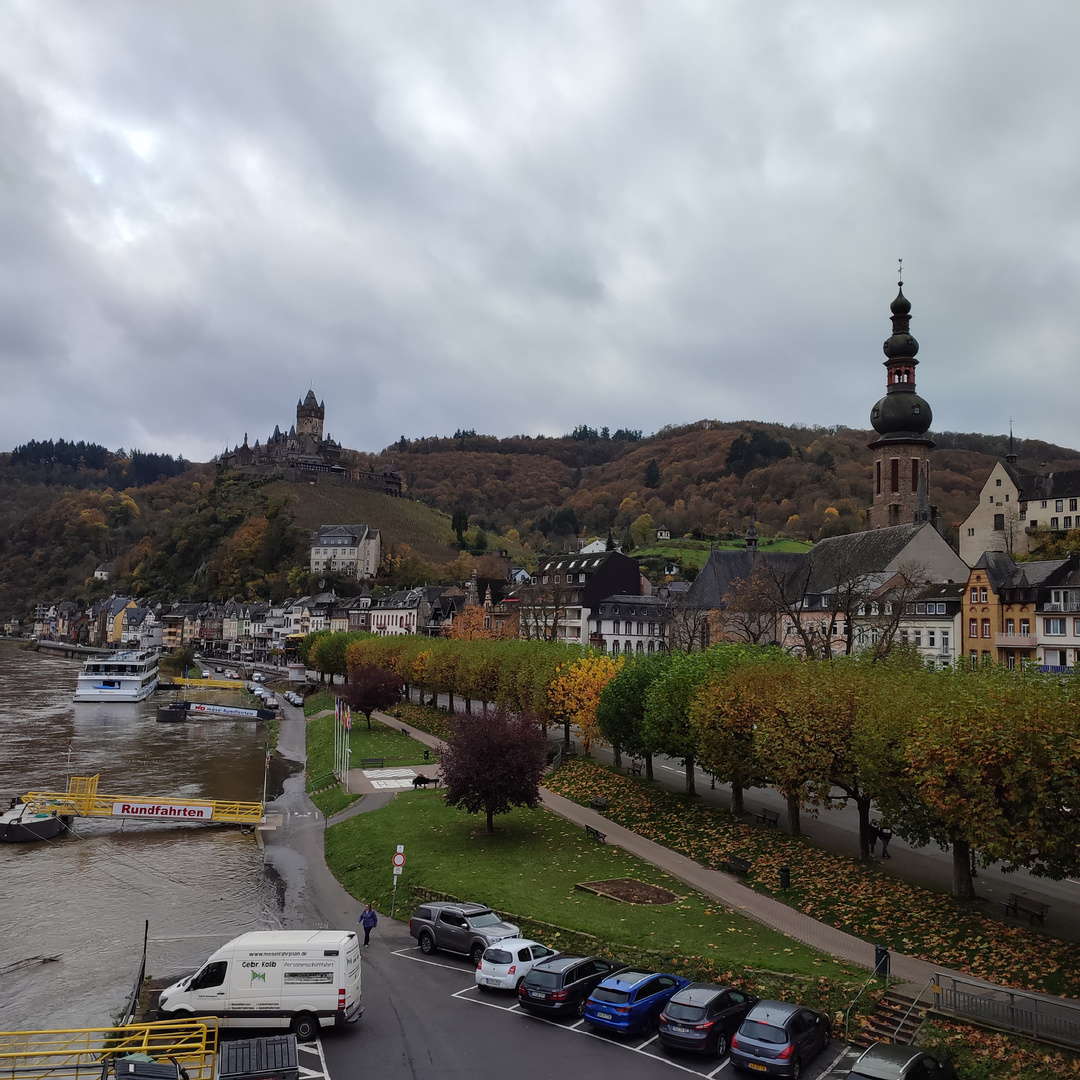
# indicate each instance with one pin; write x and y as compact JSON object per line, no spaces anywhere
{"x":983,"y":762}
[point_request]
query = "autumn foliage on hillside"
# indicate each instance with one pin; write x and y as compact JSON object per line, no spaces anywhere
{"x":801,"y":482}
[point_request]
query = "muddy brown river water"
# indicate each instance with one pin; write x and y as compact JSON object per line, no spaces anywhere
{"x":72,"y":910}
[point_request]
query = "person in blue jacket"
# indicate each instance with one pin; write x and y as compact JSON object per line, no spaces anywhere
{"x":368,"y":920}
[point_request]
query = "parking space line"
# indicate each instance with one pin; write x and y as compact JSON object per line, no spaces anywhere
{"x":646,"y":1042}
{"x":421,"y":960}
{"x":723,"y":1065}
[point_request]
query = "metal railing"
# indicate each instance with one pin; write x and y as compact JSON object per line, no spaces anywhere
{"x":84,"y":1052}
{"x":82,"y":800}
{"x":1049,"y":1019}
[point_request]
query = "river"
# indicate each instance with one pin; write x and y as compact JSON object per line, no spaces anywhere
{"x":72,"y":910}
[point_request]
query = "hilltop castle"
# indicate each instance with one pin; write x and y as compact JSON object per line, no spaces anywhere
{"x":305,"y":451}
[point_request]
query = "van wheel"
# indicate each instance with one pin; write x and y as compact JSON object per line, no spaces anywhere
{"x":427,"y":944}
{"x":305,"y":1027}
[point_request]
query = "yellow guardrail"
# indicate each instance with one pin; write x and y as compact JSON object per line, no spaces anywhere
{"x":87,"y":1052}
{"x":83,"y":800}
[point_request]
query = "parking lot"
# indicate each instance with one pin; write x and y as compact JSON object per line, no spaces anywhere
{"x":649,"y":1058}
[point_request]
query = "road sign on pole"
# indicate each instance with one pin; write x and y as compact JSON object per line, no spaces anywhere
{"x":399,"y":860}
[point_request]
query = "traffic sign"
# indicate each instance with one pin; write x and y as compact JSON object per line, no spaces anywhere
{"x":399,"y":860}
{"x":397,"y":870}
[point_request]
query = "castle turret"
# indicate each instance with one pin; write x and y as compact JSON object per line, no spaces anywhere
{"x":309,"y":417}
{"x":901,"y":419}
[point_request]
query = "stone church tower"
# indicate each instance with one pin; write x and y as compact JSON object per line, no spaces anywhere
{"x":901,"y":419}
{"x":309,"y":417}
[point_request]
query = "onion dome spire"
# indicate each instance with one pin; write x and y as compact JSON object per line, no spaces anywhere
{"x":901,"y":415}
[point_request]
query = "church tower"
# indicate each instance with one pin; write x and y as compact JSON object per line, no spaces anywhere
{"x":901,"y":419}
{"x":309,"y":417}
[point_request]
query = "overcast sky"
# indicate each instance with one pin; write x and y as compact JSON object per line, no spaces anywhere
{"x":523,"y":216}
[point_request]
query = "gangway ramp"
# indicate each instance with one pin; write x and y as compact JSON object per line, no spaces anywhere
{"x":77,"y":1053}
{"x":82,"y":799}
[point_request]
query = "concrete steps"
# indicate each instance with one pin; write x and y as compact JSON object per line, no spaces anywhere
{"x":896,"y":1019}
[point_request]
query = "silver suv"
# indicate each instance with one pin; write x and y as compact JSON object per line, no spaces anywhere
{"x":461,"y":928}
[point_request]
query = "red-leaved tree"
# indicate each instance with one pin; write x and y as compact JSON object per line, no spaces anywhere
{"x":493,"y":762}
{"x":371,"y":688}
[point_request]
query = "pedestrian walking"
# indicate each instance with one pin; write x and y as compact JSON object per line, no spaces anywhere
{"x":873,"y":832}
{"x":368,"y":920}
{"x":885,"y":835}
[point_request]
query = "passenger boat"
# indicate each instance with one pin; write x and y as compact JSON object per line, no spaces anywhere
{"x":122,"y":676}
{"x":20,"y":824}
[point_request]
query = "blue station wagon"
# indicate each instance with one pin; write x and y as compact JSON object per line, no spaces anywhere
{"x":629,"y":1003}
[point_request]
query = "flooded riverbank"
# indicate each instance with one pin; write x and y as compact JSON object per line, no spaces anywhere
{"x":72,"y":910}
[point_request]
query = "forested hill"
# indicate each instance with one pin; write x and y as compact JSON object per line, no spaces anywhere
{"x":804,"y":482}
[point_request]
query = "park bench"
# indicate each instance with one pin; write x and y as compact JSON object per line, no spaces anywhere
{"x":595,"y":834}
{"x":634,"y":768}
{"x":736,"y":864}
{"x":373,"y":763}
{"x":768,"y":817}
{"x":1024,"y":905}
{"x":599,"y":803}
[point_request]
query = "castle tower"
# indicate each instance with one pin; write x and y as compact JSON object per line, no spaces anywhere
{"x":901,"y":419}
{"x":309,"y":417}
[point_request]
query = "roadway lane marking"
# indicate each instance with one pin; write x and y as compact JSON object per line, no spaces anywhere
{"x":404,"y":953}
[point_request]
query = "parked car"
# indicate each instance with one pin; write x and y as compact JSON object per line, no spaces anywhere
{"x":891,"y":1061}
{"x":629,"y":1003}
{"x":205,"y":673}
{"x":778,"y":1038}
{"x":561,"y":986}
{"x":257,"y":676}
{"x":702,"y":1017}
{"x":460,"y":928}
{"x":505,"y":964}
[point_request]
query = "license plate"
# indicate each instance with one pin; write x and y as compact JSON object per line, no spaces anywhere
{"x":756,"y":1067}
{"x":678,"y":1029}
{"x":491,"y":982}
{"x":604,"y":1016}
{"x":537,"y":994}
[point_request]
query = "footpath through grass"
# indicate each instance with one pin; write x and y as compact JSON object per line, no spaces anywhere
{"x":836,"y":890}
{"x":530,"y":868}
{"x":379,"y":742}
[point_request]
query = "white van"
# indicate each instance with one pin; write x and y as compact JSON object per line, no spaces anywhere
{"x":296,"y":979}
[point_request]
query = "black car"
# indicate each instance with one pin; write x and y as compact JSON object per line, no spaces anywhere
{"x":778,"y":1038}
{"x":702,"y":1017}
{"x":560,"y":987}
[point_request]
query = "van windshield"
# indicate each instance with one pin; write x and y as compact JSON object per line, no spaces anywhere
{"x":484,"y":918}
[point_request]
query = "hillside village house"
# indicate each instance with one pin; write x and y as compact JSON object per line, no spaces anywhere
{"x":630,"y":625}
{"x":1016,"y":503}
{"x":348,"y":550}
{"x":933,"y":624}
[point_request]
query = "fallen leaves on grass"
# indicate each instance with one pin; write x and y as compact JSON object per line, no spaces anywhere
{"x":834,"y":889}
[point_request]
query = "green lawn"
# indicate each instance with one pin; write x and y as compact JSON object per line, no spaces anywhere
{"x":696,"y":552}
{"x":530,"y":867}
{"x":380,"y":742}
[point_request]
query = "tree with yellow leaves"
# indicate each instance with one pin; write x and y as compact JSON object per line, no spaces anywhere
{"x":575,"y":691}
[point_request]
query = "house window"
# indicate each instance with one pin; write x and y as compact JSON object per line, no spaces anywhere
{"x":918,"y":639}
{"x":986,"y":628}
{"x":1010,"y":627}
{"x":1054,"y":627}
{"x":1054,"y":523}
{"x":944,"y":640}
{"x":877,"y":477}
{"x":990,"y":497}
{"x":974,"y":654}
{"x":1006,"y":498}
{"x":999,"y":523}
{"x":971,"y":532}
{"x":895,"y":476}
{"x":941,"y":609}
{"x":930,"y":639}
{"x":1059,"y":505}
{"x":557,"y":579}
{"x":614,"y":648}
{"x":1067,"y":523}
{"x":1076,"y":627}
{"x":915,"y":472}
{"x":1025,"y":627}
{"x":615,"y":628}
{"x":982,"y":596}
{"x":1043,"y":504}
{"x":920,"y":609}
{"x":641,"y":628}
{"x":998,"y":483}
{"x":1023,"y":515}
{"x":974,"y":596}
{"x":1072,"y":504}
{"x":973,"y":627}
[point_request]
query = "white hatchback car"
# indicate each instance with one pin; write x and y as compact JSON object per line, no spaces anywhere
{"x":507,"y":962}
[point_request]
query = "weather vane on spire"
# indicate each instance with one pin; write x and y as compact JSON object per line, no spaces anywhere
{"x":901,"y":271}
